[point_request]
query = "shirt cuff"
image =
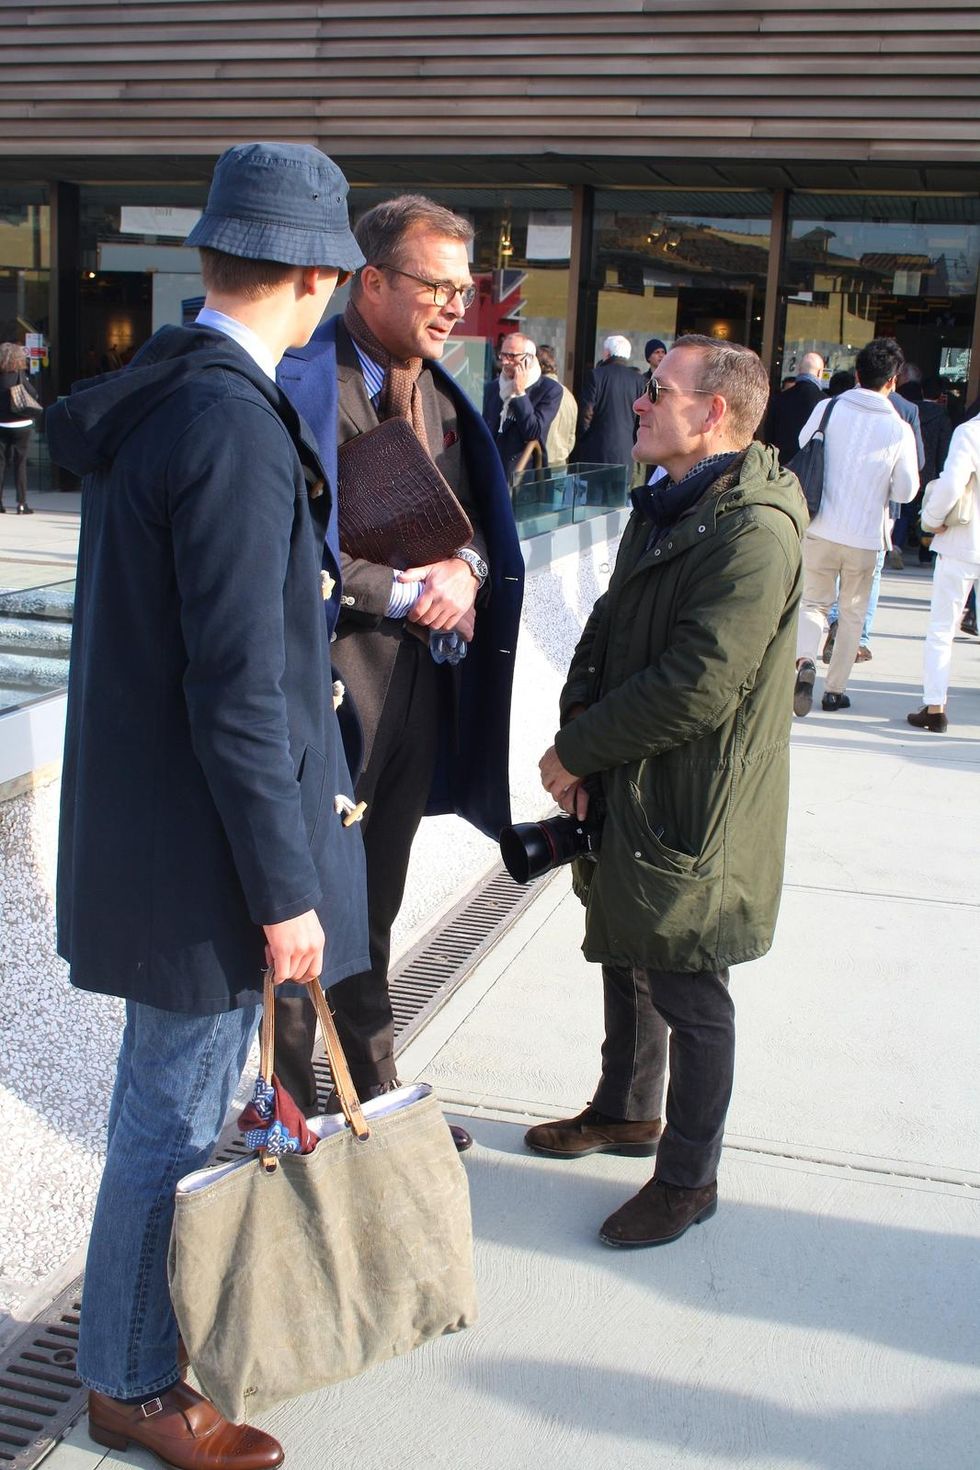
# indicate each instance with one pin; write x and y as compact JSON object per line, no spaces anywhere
{"x":403,"y":597}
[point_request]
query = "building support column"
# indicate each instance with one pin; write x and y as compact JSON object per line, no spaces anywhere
{"x":582,"y":295}
{"x":64,"y":289}
{"x":973,"y":377}
{"x":774,"y":276}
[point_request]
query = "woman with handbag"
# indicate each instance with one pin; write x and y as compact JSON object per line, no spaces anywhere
{"x":17,"y":405}
{"x":951,"y":512}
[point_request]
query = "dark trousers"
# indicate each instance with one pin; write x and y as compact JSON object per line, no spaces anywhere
{"x":656,"y":1016}
{"x":395,"y":784}
{"x":14,"y":445}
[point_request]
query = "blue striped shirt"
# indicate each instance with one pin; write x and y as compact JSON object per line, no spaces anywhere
{"x":374,"y":374}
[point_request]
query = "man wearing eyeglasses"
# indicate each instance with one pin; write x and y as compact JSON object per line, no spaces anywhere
{"x":436,"y":736}
{"x":675,"y":732}
{"x":520,"y":406}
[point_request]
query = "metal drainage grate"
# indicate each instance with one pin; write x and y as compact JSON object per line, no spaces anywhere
{"x":40,"y":1395}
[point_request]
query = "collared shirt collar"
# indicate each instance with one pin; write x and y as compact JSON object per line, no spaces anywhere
{"x":374,"y":373}
{"x":250,"y":341}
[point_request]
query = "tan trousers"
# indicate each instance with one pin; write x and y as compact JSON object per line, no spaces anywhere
{"x":823,"y":563}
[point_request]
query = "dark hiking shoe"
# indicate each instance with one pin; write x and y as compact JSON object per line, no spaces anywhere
{"x":923,"y":720}
{"x":835,"y":701}
{"x":659,"y":1214}
{"x":592,"y":1132}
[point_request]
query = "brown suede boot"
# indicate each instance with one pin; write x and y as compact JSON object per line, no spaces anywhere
{"x":591,"y":1132}
{"x":659,"y":1213}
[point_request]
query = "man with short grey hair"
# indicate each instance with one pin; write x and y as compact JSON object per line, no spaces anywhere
{"x":674,"y":742}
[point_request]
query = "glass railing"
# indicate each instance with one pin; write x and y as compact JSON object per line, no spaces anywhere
{"x":35,"y":640}
{"x":547,"y":499}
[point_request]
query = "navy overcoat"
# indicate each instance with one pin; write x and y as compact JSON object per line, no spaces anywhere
{"x":471,"y":777}
{"x":202,"y":753}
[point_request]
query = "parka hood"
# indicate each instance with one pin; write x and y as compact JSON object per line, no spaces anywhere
{"x":86,"y":430}
{"x":762,"y":480}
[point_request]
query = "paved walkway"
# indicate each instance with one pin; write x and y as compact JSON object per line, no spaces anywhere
{"x":827,"y":1316}
{"x":40,"y":549}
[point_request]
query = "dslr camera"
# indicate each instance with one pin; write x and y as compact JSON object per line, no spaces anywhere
{"x":529,"y":849}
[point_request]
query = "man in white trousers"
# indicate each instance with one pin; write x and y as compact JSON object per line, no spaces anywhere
{"x":957,"y":549}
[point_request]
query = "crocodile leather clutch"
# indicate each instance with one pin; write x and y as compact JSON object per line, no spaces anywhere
{"x":394,"y":506}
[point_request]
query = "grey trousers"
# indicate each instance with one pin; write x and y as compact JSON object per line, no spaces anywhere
{"x":654,"y":1017}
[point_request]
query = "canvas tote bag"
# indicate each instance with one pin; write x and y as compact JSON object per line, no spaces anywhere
{"x":288,"y":1275}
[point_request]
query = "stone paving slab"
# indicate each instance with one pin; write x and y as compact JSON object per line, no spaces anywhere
{"x":823,"y":1318}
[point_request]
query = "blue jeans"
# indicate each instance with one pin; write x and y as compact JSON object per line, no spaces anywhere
{"x":175,"y":1079}
{"x":869,"y":616}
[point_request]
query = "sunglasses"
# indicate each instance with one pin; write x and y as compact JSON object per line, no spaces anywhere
{"x":654,"y":388}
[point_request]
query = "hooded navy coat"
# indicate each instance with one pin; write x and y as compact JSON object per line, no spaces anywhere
{"x":471,"y":776}
{"x":202,"y":753}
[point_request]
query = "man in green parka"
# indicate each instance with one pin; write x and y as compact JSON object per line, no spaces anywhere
{"x":675,"y":726}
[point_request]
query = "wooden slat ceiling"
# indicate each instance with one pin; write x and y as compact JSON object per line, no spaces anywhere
{"x":625,"y":91}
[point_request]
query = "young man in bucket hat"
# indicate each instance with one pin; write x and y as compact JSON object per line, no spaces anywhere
{"x":204,"y":783}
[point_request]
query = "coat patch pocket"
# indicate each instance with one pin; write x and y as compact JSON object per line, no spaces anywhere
{"x":311,"y":778}
{"x":649,"y":844}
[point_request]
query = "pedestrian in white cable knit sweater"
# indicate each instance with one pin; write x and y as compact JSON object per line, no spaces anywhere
{"x":869,"y":460}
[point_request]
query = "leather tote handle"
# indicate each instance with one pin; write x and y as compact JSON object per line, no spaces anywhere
{"x":342,"y":1080}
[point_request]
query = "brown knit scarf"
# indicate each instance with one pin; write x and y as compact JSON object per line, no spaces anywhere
{"x":400,"y":395}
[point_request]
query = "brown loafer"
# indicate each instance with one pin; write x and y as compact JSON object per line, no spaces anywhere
{"x":592,"y":1132}
{"x":658,"y":1214}
{"x":184,"y":1430}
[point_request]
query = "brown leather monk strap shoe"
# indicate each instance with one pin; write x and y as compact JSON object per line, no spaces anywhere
{"x":659,"y":1213}
{"x":593,"y":1133}
{"x":184,"y":1430}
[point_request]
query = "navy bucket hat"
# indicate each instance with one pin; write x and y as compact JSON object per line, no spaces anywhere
{"x":278,"y":201}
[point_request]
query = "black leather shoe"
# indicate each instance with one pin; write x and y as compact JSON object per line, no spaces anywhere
{"x":806,"y":675}
{"x":923,"y":720}
{"x":968,"y":624}
{"x":461,"y":1138}
{"x":835,"y":701}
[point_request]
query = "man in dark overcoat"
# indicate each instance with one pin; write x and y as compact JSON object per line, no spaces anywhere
{"x":606,"y":417}
{"x":205,"y":782}
{"x":436,"y":736}
{"x":788,"y":411}
{"x":520,"y":406}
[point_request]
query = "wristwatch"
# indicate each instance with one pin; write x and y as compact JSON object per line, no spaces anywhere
{"x":475,"y":562}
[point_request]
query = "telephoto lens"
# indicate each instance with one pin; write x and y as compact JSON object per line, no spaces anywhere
{"x":529,"y":849}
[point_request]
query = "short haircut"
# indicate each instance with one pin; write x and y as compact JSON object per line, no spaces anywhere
{"x":878,"y":363}
{"x":736,"y":373}
{"x":840,"y":382}
{"x":530,"y":347}
{"x":547,"y":359}
{"x":13,"y":357}
{"x":235,"y":275}
{"x":618,"y":346}
{"x":934,"y":386}
{"x":812,"y":363}
{"x":382,"y":232}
